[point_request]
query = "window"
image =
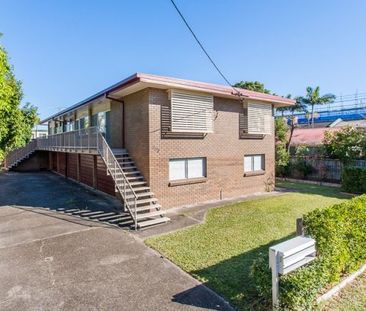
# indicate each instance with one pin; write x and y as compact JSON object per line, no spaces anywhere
{"x":82,"y":123}
{"x":187,"y":168}
{"x":254,"y":163}
{"x":191,"y":112}
{"x":257,"y":118}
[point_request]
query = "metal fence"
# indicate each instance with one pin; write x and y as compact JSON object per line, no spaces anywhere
{"x":327,"y":170}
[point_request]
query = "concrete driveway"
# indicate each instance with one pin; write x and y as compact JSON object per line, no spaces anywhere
{"x":53,"y":261}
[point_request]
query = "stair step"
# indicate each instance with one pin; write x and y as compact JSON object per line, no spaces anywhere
{"x":133,"y":172}
{"x":149,"y":200}
{"x":123,"y":157}
{"x":137,"y":183}
{"x":139,"y":195}
{"x":128,"y":168}
{"x":123,"y":168}
{"x":119,"y":151}
{"x":135,"y":177}
{"x":123,"y":163}
{"x":150,"y":215}
{"x":148,"y":207}
{"x":137,"y":189}
{"x":152,"y":222}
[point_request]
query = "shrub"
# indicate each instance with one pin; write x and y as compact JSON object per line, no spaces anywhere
{"x":346,"y":144}
{"x":340,"y":233}
{"x":282,"y":159}
{"x":354,"y":179}
{"x":303,"y":168}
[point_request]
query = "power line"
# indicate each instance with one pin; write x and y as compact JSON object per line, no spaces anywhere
{"x":204,"y":50}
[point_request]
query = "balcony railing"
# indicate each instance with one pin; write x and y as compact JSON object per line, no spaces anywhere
{"x":84,"y":140}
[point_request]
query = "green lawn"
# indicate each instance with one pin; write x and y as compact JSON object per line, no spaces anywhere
{"x":351,"y":298}
{"x":220,"y":252}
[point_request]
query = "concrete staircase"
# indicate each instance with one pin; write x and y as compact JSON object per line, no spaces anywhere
{"x":149,"y":212}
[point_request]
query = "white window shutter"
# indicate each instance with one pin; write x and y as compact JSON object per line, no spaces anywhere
{"x":259,"y":118}
{"x":191,"y":112}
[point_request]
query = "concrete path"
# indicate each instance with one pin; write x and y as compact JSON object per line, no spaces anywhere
{"x":52,"y":261}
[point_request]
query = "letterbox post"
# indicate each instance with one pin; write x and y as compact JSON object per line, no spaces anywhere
{"x":273,"y":260}
{"x":288,"y":256}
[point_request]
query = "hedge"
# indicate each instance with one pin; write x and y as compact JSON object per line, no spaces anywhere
{"x":354,"y":179}
{"x":340,"y":234}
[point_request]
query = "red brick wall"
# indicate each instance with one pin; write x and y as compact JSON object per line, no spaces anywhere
{"x":223,"y":149}
{"x":137,"y":129}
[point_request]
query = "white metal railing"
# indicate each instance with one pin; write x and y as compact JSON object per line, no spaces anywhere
{"x":80,"y":140}
{"x":18,"y":154}
{"x":122,"y":184}
{"x":89,"y":140}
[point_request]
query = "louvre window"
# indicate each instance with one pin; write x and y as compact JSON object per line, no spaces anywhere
{"x":254,"y":163}
{"x":257,"y":118}
{"x":188,"y":168}
{"x":191,"y":112}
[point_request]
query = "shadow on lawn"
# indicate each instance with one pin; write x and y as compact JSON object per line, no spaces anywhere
{"x":332,"y":192}
{"x":231,"y":278}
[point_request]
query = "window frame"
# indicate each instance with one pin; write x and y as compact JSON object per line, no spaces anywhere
{"x":252,"y":171}
{"x":186,"y":169}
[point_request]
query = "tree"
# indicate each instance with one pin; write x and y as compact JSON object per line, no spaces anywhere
{"x":347,"y":144}
{"x":252,"y":86}
{"x":281,"y":154}
{"x":16,"y":122}
{"x":292,"y":119}
{"x":313,"y":98}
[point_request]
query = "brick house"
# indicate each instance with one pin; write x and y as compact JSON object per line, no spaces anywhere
{"x":159,"y":142}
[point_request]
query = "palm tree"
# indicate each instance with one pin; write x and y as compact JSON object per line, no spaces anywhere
{"x":313,"y":98}
{"x":292,"y":119}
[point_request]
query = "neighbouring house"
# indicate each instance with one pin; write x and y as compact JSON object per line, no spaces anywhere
{"x":39,"y":131}
{"x":158,"y":142}
{"x":311,"y":137}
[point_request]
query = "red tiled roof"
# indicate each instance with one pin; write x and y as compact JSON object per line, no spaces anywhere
{"x":310,"y":137}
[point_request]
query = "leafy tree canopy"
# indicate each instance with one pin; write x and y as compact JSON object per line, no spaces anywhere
{"x":347,"y":144}
{"x":252,"y":86}
{"x":16,"y":122}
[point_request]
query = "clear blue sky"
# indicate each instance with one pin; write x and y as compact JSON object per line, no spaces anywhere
{"x":64,"y":51}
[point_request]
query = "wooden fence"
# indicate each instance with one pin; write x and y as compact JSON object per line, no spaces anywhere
{"x":327,"y":170}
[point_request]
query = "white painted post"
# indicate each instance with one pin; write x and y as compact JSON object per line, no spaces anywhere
{"x":273,"y":262}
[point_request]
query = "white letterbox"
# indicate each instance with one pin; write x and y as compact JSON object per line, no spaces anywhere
{"x":288,"y":256}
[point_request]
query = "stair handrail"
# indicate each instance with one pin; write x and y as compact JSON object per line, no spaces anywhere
{"x":17,"y":154}
{"x":109,"y":158}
